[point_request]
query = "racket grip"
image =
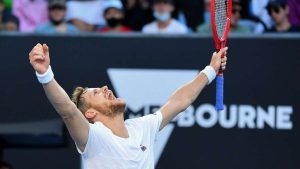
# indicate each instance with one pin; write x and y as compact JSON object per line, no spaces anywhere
{"x":219,"y":92}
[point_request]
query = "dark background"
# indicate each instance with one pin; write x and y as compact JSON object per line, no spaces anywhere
{"x":261,"y":71}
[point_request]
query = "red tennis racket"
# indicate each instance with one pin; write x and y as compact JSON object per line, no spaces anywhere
{"x":220,"y":11}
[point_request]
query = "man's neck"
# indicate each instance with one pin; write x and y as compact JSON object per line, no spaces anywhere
{"x":163,"y":25}
{"x":284,"y":26}
{"x":116,"y":125}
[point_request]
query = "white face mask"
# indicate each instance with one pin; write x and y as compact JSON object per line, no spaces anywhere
{"x":162,"y":17}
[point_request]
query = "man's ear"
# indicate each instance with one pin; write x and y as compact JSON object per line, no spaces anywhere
{"x":90,"y":114}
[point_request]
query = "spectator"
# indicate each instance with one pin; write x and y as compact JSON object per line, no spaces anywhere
{"x":235,"y":26}
{"x":138,"y":13}
{"x":114,"y":16}
{"x":30,"y":13}
{"x":206,"y":26}
{"x":4,"y":165}
{"x":279,"y":11}
{"x":259,"y":10}
{"x":57,"y":24}
{"x":86,"y":15}
{"x":191,"y":11}
{"x":294,"y":12}
{"x":206,"y":11}
{"x":8,"y":22}
{"x":251,"y":19}
{"x":164,"y":22}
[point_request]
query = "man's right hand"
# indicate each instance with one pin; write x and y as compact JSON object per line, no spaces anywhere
{"x":217,"y":62}
{"x":39,"y":58}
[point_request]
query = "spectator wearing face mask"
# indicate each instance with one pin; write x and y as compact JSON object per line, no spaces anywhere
{"x":114,"y":16}
{"x":205,"y":27}
{"x":279,"y":11}
{"x":8,"y":22}
{"x":235,"y":25}
{"x":164,"y":22}
{"x":57,"y":24}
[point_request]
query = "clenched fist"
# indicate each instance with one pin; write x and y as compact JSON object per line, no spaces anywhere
{"x":39,"y":58}
{"x":217,"y":62}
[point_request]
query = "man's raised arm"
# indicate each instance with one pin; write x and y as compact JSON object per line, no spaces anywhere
{"x":76,"y":123}
{"x":187,"y":94}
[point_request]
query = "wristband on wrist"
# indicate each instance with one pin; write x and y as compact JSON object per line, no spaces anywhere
{"x":210,"y":73}
{"x":45,"y":77}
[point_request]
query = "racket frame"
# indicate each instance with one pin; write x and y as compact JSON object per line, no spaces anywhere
{"x":219,"y":44}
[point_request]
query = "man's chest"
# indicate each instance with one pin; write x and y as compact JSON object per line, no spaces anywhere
{"x":138,"y":143}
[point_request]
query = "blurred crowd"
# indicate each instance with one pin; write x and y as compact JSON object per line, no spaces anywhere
{"x":146,"y":16}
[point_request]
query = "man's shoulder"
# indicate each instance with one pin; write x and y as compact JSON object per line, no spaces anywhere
{"x":176,"y":22}
{"x":72,"y":28}
{"x":272,"y":29}
{"x":44,"y":27}
{"x":242,"y":29}
{"x":125,"y":29}
{"x":178,"y":25}
{"x":149,"y":27}
{"x":143,"y":119}
{"x":134,"y":120}
{"x":99,"y":129}
{"x":205,"y":28}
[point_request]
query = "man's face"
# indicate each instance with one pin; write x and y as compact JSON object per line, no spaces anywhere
{"x":57,"y":13}
{"x":236,"y":14}
{"x":103,"y":100}
{"x":278,"y":13}
{"x":113,"y":13}
{"x":162,"y":7}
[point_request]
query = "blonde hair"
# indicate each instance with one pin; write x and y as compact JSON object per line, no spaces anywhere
{"x":78,"y":100}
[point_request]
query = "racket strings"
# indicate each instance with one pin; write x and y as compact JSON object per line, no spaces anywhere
{"x":221,"y":8}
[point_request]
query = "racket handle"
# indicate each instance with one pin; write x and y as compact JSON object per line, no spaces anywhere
{"x":219,"y":92}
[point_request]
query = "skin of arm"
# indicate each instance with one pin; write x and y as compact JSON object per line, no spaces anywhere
{"x":184,"y":96}
{"x":76,"y":123}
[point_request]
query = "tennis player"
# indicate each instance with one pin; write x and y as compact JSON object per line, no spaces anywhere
{"x":95,"y":117}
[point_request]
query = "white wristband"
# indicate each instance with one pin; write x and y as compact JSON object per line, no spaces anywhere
{"x":46,"y":77}
{"x":210,"y":73}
